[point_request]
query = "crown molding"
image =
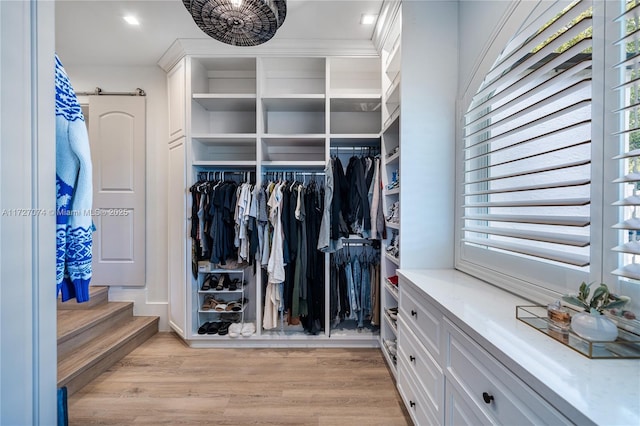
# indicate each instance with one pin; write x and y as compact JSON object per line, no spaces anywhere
{"x":279,"y":47}
{"x":388,"y":15}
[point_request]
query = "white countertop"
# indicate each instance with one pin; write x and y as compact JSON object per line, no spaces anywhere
{"x":602,"y":391}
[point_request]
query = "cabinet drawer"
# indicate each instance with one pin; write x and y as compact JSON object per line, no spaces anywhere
{"x":491,"y":388}
{"x":420,"y":365}
{"x":458,"y":413}
{"x":423,"y":318}
{"x":414,"y":399}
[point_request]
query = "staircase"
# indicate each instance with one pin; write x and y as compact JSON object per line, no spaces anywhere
{"x":94,"y":335}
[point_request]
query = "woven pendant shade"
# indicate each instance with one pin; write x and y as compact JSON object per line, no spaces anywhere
{"x":238,"y":22}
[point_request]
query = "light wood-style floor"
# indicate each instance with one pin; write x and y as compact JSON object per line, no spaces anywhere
{"x":165,"y":382}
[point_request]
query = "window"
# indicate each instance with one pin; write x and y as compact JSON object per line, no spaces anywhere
{"x":527,"y":184}
{"x":627,"y":138}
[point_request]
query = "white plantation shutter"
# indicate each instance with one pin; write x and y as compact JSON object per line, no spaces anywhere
{"x":527,"y":150}
{"x":628,"y":117}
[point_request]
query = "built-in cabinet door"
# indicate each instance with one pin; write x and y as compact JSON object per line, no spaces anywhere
{"x":176,"y":93}
{"x":117,"y":126}
{"x":177,"y":233}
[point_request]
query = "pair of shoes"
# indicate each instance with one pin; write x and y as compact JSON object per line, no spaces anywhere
{"x":393,"y":280}
{"x":393,"y":313}
{"x":212,"y":327}
{"x":394,"y":213}
{"x":206,"y":284}
{"x":203,"y":328}
{"x":234,"y":284}
{"x":223,"y":282}
{"x":224,"y":328}
{"x":235,"y":329}
{"x":208,"y":303}
{"x":248,"y":329}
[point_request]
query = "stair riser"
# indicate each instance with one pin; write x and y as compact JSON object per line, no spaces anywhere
{"x":71,"y":344}
{"x":87,"y":373}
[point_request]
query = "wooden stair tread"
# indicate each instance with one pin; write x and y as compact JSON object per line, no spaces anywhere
{"x":89,"y":355}
{"x":72,"y":322}
{"x":98,"y":295}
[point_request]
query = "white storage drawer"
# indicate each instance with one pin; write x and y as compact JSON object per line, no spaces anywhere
{"x":420,"y":365}
{"x":458,"y":413}
{"x":414,"y":398}
{"x":491,"y":388}
{"x":424,"y":319}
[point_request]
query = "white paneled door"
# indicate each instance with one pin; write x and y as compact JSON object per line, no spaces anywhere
{"x":117,"y":138}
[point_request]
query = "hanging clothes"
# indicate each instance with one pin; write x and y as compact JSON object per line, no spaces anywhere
{"x":74,"y":196}
{"x":295,"y":214}
{"x":354,"y":289}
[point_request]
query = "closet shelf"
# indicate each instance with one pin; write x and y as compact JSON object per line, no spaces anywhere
{"x":393,"y":116}
{"x":349,"y":139}
{"x":393,"y":191}
{"x":356,"y":96}
{"x":393,"y":290}
{"x":393,"y":259}
{"x":225,"y":138}
{"x":293,"y":138}
{"x":391,"y":362}
{"x":393,"y":159}
{"x":226,"y":102}
{"x":391,"y":322}
{"x":393,"y":225}
{"x":224,"y":163}
{"x":393,"y":60}
{"x":293,"y":165}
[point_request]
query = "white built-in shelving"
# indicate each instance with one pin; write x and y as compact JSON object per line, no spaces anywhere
{"x":261,"y":114}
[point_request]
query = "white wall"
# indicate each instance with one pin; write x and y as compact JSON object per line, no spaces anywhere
{"x":152,"y":297}
{"x":27,"y":184}
{"x":429,"y":67}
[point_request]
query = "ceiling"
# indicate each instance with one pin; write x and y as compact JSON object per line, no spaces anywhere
{"x":93,"y":32}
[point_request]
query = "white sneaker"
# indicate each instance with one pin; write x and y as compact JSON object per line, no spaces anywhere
{"x":235,"y":329}
{"x":248,"y":329}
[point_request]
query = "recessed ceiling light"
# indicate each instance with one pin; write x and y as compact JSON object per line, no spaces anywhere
{"x":368,"y":19}
{"x":131,"y":20}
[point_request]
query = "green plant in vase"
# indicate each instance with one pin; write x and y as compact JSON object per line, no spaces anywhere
{"x":591,"y":324}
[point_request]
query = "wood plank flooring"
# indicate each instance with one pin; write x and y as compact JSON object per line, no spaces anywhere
{"x":165,"y":382}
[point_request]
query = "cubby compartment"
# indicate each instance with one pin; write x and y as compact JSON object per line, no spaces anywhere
{"x":355,"y":115}
{"x":354,"y":76}
{"x":294,"y":149}
{"x":208,"y":150}
{"x":216,"y":114}
{"x":226,"y":76}
{"x":294,"y":115}
{"x":293,"y":76}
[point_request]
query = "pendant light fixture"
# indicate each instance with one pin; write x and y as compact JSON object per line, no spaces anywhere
{"x":238,"y":22}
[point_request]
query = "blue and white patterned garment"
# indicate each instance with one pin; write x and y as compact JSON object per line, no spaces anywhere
{"x":74,"y":224}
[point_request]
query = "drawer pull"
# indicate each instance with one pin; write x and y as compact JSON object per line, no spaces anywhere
{"x":412,"y":404}
{"x":414,"y":313}
{"x":412,"y":358}
{"x":487,"y":397}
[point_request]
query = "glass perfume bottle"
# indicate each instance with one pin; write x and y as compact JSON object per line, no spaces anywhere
{"x":559,"y":318}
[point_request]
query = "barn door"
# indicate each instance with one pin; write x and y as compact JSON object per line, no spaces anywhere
{"x":117,"y":139}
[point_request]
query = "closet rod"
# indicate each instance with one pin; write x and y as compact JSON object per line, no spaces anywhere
{"x":98,"y":91}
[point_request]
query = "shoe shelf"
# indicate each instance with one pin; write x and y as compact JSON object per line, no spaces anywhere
{"x":392,"y":322}
{"x":393,"y":191}
{"x":393,"y":225}
{"x":221,"y":300}
{"x":392,"y":289}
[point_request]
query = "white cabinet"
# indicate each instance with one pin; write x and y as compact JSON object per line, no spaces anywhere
{"x":446,"y":377}
{"x":491,"y":391}
{"x":390,"y":170}
{"x":259,"y":115}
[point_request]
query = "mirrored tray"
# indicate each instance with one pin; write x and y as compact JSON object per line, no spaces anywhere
{"x":626,"y":346}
